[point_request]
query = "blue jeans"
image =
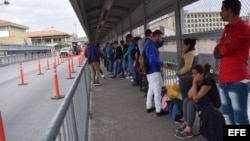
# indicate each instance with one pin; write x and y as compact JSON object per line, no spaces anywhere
{"x":132,"y":69}
{"x":110,"y":65}
{"x":234,"y":98}
{"x":117,"y":67}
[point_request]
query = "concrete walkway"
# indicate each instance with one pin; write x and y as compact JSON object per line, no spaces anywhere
{"x":118,"y":114}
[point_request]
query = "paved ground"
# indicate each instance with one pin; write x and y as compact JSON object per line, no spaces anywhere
{"x":118,"y":114}
{"x":27,"y":110}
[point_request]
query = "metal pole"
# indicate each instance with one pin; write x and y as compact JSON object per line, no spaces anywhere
{"x":129,"y":20}
{"x":179,"y":26}
{"x":144,"y":15}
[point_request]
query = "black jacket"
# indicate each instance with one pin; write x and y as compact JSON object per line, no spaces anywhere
{"x":118,"y":53}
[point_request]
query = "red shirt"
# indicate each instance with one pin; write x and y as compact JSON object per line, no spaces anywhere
{"x":235,"y":45}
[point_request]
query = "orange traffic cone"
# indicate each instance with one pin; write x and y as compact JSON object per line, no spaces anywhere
{"x":2,"y":135}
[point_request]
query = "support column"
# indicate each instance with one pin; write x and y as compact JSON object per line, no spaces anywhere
{"x":122,"y":30}
{"x":179,"y":22}
{"x":116,"y":33}
{"x":129,"y":20}
{"x":146,"y":26}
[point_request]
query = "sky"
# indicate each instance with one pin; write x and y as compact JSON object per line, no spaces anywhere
{"x":42,"y":15}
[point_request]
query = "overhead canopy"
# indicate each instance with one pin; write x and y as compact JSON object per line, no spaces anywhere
{"x":101,"y":17}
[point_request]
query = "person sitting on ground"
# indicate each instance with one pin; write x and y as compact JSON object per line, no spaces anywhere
{"x":199,"y":96}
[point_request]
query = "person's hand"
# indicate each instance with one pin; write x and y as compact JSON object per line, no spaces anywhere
{"x":217,"y":52}
{"x":196,"y":79}
{"x":165,"y":65}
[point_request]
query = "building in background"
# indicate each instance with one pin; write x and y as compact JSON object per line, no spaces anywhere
{"x":12,"y":33}
{"x":50,"y":38}
{"x":202,"y":22}
{"x":194,"y":22}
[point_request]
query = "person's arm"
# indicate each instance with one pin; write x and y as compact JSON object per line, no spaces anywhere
{"x":130,"y":48}
{"x":217,"y":52}
{"x":151,"y":55}
{"x":195,"y":94}
{"x":230,"y":45}
{"x":86,"y":53}
{"x":188,"y":58}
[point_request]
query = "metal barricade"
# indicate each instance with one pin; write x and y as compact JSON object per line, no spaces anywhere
{"x":72,"y":118}
{"x":169,"y":75}
{"x":12,"y":59}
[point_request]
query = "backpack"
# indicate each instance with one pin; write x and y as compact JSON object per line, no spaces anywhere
{"x":212,"y":124}
{"x":144,"y":61}
{"x":175,"y":109}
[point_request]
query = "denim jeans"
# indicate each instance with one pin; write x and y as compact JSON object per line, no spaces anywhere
{"x":234,"y":98}
{"x":110,"y":65}
{"x":132,"y":69}
{"x":117,"y":67}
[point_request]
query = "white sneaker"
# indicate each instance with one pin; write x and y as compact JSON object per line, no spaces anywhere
{"x":127,"y":77}
{"x":103,"y":76}
{"x":132,"y":80}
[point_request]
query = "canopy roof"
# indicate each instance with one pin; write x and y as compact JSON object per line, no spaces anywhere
{"x":100,"y":17}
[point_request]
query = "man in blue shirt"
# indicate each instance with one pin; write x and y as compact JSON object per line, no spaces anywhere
{"x":108,"y":56}
{"x":154,"y":72}
{"x":93,"y":55}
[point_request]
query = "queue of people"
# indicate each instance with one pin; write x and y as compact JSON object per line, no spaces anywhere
{"x":138,"y":58}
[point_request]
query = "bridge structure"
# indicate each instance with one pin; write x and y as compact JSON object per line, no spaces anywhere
{"x":115,"y":110}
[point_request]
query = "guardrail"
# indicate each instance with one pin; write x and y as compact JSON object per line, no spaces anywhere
{"x":12,"y":59}
{"x":10,"y":47}
{"x":169,"y":75}
{"x":72,"y":118}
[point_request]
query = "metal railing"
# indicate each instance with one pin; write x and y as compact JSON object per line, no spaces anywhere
{"x":12,"y":59}
{"x":169,"y":75}
{"x":71,"y":121}
{"x":10,"y":47}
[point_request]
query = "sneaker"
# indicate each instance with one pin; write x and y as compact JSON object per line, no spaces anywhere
{"x":181,"y":128}
{"x":162,"y":113}
{"x":127,"y":77}
{"x":97,"y":84}
{"x":150,"y":110}
{"x":134,"y":84}
{"x":178,"y":121}
{"x":132,"y":80}
{"x":130,"y":77}
{"x":184,"y":135}
{"x":103,"y":76}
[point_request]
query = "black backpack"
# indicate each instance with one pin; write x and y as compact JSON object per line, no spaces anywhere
{"x":145,"y":65}
{"x":212,"y":124}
